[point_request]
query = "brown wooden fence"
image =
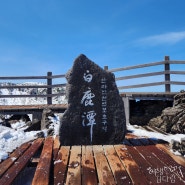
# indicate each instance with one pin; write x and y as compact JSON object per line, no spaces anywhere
{"x":167,"y":82}
{"x":49,"y":86}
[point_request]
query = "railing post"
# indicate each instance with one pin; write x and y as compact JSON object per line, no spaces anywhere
{"x":106,"y":68}
{"x":49,"y":89}
{"x":167,"y":74}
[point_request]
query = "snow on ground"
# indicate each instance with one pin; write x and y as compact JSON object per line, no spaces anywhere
{"x":141,"y":132}
{"x":11,"y":138}
{"x":55,"y":123}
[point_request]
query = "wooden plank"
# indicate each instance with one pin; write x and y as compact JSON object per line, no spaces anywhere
{"x":74,"y":167}
{"x":140,"y":75}
{"x":137,"y":66}
{"x":170,"y":163}
{"x":177,"y":72}
{"x":60,"y":165}
{"x":89,"y":176}
{"x":29,"y":77}
{"x":56,"y":147}
{"x":177,"y":83}
{"x":131,"y":166}
{"x":165,"y":148}
{"x":31,"y":86}
{"x":27,"y":107}
{"x":146,"y":151}
{"x":158,"y":161}
{"x":104,"y":172}
{"x":145,"y":162}
{"x":154,"y":129}
{"x":142,"y":85}
{"x":42,"y":172}
{"x":32,"y":95}
{"x":19,"y":165}
{"x":120,"y":174}
{"x":176,"y":62}
{"x":12,"y":158}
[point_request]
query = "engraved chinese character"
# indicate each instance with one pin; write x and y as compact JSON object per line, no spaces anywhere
{"x":104,"y":110}
{"x":87,"y":98}
{"x":90,"y":117}
{"x":103,"y":80}
{"x":87,"y":76}
{"x":104,"y":122}
{"x":105,"y":128}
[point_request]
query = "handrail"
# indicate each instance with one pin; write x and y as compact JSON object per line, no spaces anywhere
{"x":137,"y":66}
{"x":150,"y":74}
{"x":33,"y":95}
{"x":49,"y":86}
{"x":49,"y":77}
{"x":167,"y":74}
{"x":29,"y":77}
{"x":31,"y":86}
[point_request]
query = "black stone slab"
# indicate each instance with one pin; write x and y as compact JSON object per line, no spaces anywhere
{"x":95,"y":113}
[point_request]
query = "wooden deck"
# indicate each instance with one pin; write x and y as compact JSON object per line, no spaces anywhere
{"x":26,"y":109}
{"x":137,"y":161}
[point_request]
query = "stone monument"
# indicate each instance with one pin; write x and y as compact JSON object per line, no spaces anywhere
{"x":95,"y":113}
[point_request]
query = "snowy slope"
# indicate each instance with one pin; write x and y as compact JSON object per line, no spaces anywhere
{"x":29,"y":91}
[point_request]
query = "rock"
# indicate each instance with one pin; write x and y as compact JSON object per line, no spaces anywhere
{"x":178,"y":146}
{"x":95,"y":113}
{"x":33,"y":126}
{"x":40,"y":134}
{"x":45,"y":122}
{"x":5,"y":123}
{"x":179,"y":99}
{"x":172,"y":119}
{"x":156,"y":122}
{"x":16,"y":117}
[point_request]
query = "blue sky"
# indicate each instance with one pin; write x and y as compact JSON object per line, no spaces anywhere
{"x":47,"y":35}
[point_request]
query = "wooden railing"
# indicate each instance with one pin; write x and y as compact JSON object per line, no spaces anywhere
{"x":49,"y":86}
{"x":167,"y":82}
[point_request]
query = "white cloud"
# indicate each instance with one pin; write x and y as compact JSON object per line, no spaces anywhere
{"x":166,"y":38}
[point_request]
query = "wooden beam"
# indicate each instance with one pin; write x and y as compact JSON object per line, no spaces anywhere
{"x":137,"y":66}
{"x":104,"y":172}
{"x":29,"y":77}
{"x":88,"y":167}
{"x":20,"y":164}
{"x":61,"y":165}
{"x":31,"y":86}
{"x":140,"y":75}
{"x":32,"y":95}
{"x":49,"y":89}
{"x":42,"y":173}
{"x":167,"y":74}
{"x":74,"y":167}
{"x":141,"y":85}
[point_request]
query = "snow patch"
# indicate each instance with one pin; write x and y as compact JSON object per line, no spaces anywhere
{"x":141,"y":132}
{"x":58,"y":161}
{"x":10,"y":139}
